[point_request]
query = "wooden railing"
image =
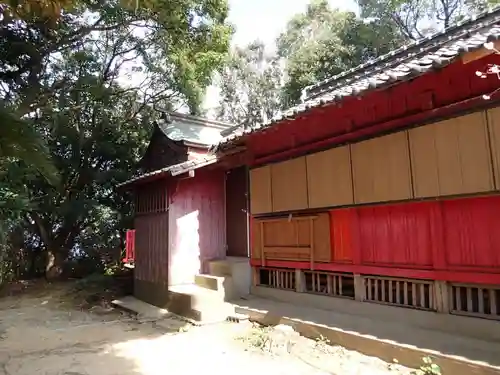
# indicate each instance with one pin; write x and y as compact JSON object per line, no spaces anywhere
{"x":475,"y":300}
{"x":418,"y":294}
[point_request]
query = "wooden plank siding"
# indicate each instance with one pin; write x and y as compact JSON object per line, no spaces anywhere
{"x":329,"y":178}
{"x":303,"y":238}
{"x":196,"y":224}
{"x":289,"y":185}
{"x":458,"y":156}
{"x":454,"y":240}
{"x":381,"y":169}
{"x":151,"y":248}
{"x":151,"y":233}
{"x":493,"y":116}
{"x":452,"y":157}
{"x":260,"y":190}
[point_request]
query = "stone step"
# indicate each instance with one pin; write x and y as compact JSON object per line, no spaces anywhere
{"x":144,"y":311}
{"x":220,"y":268}
{"x":220,"y":284}
{"x":199,"y":304}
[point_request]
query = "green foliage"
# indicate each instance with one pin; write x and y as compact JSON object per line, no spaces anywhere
{"x":77,"y":97}
{"x":323,"y":42}
{"x":416,"y":18}
{"x":250,"y":86}
{"x":428,"y":367}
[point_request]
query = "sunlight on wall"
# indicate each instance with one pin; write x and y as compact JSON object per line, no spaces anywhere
{"x":185,"y":261}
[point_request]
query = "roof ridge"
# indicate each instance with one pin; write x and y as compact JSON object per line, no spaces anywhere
{"x":201,"y":120}
{"x":491,"y":16}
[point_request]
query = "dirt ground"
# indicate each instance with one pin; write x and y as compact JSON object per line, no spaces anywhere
{"x":40,"y":333}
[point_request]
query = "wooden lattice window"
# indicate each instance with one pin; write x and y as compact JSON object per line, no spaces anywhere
{"x":418,"y":294}
{"x":475,"y":300}
{"x":276,"y":278}
{"x":331,"y":284}
{"x":151,"y":198}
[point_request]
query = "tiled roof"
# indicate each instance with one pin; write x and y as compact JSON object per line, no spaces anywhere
{"x":409,"y":61}
{"x":175,"y":169}
{"x":193,"y":129}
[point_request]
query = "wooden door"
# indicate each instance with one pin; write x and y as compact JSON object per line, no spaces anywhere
{"x":236,"y":212}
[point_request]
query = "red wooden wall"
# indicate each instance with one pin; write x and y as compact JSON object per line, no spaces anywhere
{"x":151,"y":247}
{"x":196,"y":224}
{"x":454,"y":240}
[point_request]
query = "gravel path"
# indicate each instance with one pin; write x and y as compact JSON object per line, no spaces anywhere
{"x":38,"y":335}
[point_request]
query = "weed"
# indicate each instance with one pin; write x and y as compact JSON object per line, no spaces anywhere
{"x":322,"y":344}
{"x":259,"y":337}
{"x":428,"y":368}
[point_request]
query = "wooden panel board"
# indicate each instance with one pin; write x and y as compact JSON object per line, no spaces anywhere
{"x":256,"y":250}
{"x":289,"y":185}
{"x":329,"y":179}
{"x":494,"y":134}
{"x":381,"y":169}
{"x":451,"y":157}
{"x":260,"y":190}
{"x":301,"y":238}
{"x":322,"y":238}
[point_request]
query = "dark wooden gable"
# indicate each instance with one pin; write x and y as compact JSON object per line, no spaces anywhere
{"x":162,"y":152}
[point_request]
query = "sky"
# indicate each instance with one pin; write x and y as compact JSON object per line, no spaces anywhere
{"x":263,"y":20}
{"x":266,"y":19}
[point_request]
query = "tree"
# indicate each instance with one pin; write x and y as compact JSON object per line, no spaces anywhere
{"x":250,"y":86}
{"x":323,"y":42}
{"x":86,"y":85}
{"x":415,"y":18}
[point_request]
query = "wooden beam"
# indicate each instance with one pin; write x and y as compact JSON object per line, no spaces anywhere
{"x":479,"y":53}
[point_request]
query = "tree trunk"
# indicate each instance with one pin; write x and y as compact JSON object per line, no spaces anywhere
{"x":54,"y":263}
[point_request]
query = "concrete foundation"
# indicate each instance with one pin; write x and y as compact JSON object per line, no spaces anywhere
{"x":477,"y":328}
{"x":153,"y":293}
{"x":242,"y":276}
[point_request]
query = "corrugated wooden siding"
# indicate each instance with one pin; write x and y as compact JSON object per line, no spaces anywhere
{"x":329,"y":179}
{"x":196,"y":224}
{"x":305,"y":238}
{"x":260,"y":190}
{"x":341,"y":233}
{"x":454,"y":235}
{"x":151,"y":232}
{"x":471,"y":229}
{"x":289,"y":185}
{"x":398,"y":234}
{"x":151,"y":247}
{"x":381,"y":169}
{"x":451,"y":157}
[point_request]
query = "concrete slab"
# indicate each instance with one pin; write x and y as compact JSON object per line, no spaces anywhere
{"x":455,"y":354}
{"x":143,"y":310}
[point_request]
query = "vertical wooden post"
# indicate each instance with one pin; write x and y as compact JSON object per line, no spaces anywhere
{"x":311,"y":233}
{"x":262,"y":252}
{"x":359,"y":288}
{"x":441,"y":299}
{"x":300,"y":282}
{"x":255,"y":276}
